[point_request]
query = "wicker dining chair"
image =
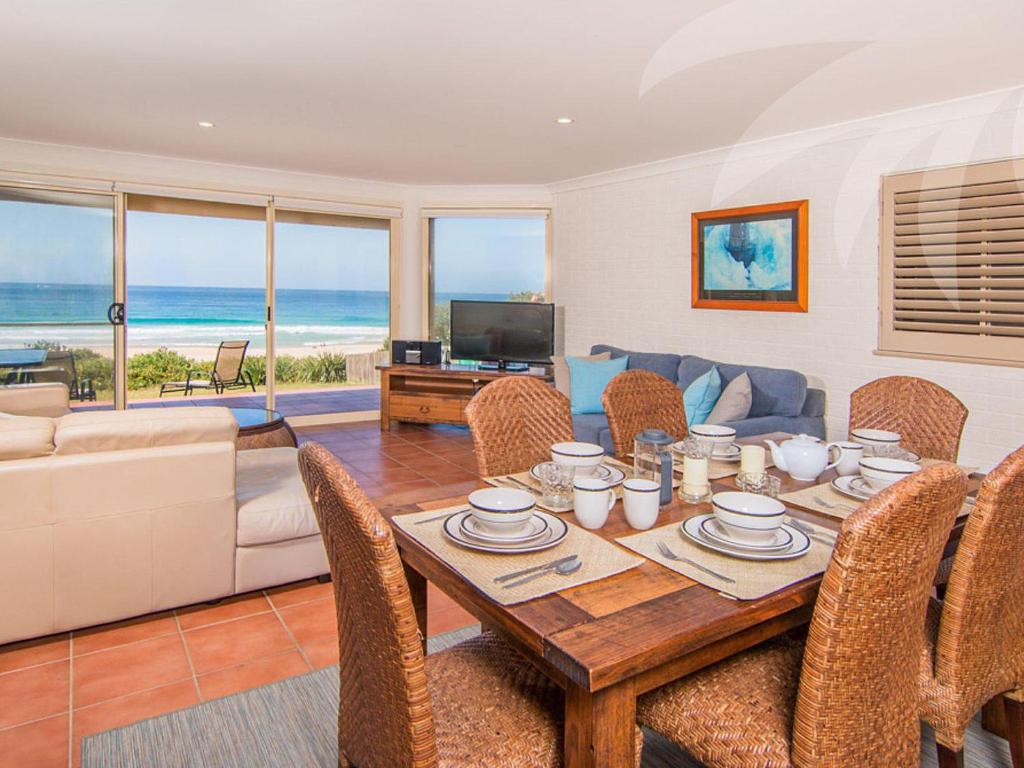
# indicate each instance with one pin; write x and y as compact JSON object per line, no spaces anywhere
{"x":475,"y":705}
{"x":637,"y":400}
{"x":930,"y":419}
{"x":851,"y":699}
{"x":973,"y":648}
{"x":514,"y":422}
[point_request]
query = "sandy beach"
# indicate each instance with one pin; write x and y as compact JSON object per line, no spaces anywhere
{"x":209,"y":351}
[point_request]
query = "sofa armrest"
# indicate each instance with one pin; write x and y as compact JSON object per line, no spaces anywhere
{"x":814,"y":403}
{"x":49,"y":399}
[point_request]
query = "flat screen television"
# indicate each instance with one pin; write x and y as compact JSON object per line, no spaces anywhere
{"x":502,"y":331}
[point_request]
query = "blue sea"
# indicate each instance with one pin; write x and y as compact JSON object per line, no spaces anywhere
{"x":189,"y":317}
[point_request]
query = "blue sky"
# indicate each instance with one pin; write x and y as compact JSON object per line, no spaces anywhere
{"x":66,"y":244}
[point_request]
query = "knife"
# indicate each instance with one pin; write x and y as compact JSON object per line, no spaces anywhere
{"x":534,"y":569}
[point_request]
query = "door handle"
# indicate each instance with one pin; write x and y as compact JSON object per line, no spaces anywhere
{"x":115,"y":313}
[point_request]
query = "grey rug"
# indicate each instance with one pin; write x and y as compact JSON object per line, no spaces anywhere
{"x":294,"y":723}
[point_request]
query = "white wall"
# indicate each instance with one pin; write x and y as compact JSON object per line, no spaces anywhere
{"x":622,"y":256}
{"x":80,"y":163}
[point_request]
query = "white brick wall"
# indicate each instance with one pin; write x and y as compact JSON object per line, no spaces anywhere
{"x":622,"y":257}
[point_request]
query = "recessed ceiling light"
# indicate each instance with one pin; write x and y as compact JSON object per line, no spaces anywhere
{"x":205,"y":124}
{"x":565,"y":120}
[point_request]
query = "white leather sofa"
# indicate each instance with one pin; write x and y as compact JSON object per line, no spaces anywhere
{"x":49,"y":399}
{"x":106,"y":515}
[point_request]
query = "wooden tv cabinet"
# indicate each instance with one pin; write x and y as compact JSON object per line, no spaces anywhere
{"x":433,"y":394}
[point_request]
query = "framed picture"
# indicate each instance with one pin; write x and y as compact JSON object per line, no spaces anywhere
{"x":751,"y":258}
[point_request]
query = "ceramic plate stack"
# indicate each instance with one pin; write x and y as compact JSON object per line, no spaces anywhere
{"x":611,"y":475}
{"x":504,"y":520}
{"x":747,"y":526}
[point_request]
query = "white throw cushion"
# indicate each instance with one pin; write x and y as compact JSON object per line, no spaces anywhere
{"x":272,"y":501}
{"x":563,"y":379}
{"x":93,"y":431}
{"x":26,"y":437}
{"x":734,"y":402}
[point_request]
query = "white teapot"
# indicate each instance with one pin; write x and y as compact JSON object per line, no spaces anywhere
{"x":803,"y":457}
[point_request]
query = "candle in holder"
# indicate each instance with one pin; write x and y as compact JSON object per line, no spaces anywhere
{"x":694,"y":487}
{"x":752,"y":459}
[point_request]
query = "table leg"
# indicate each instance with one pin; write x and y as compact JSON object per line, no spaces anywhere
{"x":600,"y":727}
{"x":418,"y":592}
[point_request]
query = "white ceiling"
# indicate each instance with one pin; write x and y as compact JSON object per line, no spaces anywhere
{"x":467,"y":91}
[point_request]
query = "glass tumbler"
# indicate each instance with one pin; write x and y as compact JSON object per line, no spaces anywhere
{"x":556,"y":483}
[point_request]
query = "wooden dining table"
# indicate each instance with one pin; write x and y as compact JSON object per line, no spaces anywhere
{"x":608,"y":642}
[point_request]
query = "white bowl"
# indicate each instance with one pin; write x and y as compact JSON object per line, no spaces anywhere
{"x":880,"y":472}
{"x":714,"y":433}
{"x":502,"y":507}
{"x":584,"y":456}
{"x":875,"y":437}
{"x":748,"y":517}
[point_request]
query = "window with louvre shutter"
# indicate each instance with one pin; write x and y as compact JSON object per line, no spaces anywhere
{"x":952,"y":263}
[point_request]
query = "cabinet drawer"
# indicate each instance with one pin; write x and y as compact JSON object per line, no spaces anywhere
{"x":427,"y":408}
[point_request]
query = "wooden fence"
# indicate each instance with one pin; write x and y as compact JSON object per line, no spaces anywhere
{"x":361,"y":369}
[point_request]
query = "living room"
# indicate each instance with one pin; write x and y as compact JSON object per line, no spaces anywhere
{"x":256,"y":232}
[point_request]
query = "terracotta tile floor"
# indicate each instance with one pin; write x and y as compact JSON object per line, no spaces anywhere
{"x":55,"y":690}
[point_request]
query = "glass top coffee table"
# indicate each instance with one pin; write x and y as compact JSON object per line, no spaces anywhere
{"x":262,"y":428}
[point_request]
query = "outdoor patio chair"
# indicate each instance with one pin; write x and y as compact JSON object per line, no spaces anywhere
{"x":227,"y":372}
{"x":60,"y":367}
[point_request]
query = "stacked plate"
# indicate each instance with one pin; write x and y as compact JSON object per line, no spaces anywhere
{"x":747,"y":526}
{"x":876,"y":474}
{"x":504,"y":520}
{"x":721,"y":438}
{"x":611,"y":475}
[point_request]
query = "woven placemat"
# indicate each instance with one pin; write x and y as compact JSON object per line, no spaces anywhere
{"x":753,"y":578}
{"x":600,"y":559}
{"x":519,"y":479}
{"x":824,"y":499}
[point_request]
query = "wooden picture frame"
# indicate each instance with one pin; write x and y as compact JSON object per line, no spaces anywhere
{"x":752,"y":258}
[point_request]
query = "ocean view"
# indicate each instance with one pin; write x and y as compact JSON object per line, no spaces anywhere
{"x":195,"y":318}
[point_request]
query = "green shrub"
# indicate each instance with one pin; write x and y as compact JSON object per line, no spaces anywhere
{"x":151,"y":369}
{"x":99,"y":370}
{"x":256,"y":366}
{"x":323,"y":368}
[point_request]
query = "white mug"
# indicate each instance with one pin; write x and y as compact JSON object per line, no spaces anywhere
{"x":592,"y":500}
{"x":850,"y":455}
{"x":640,"y":498}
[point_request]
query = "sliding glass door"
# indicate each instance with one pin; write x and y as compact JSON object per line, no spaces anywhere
{"x":332,"y":306}
{"x":57,"y":291}
{"x":196,"y":289}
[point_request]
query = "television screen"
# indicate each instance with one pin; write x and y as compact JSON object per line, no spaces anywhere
{"x":503,"y":331}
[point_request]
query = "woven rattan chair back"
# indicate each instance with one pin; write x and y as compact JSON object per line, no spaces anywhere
{"x":857,"y":701}
{"x":979,"y":652}
{"x":384,"y":716}
{"x":230,"y":357}
{"x":930,"y":419}
{"x":514,"y":422}
{"x":637,"y":400}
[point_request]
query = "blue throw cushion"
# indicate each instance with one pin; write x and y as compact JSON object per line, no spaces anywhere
{"x":587,"y":380}
{"x":775,"y":391}
{"x":664,"y":364}
{"x":700,"y":397}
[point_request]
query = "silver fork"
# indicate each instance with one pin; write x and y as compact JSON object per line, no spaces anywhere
{"x":811,"y":532}
{"x":526,"y":486}
{"x":832,"y":505}
{"x":670,"y":555}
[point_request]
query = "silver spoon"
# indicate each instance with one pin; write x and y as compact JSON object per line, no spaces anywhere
{"x":563,"y":569}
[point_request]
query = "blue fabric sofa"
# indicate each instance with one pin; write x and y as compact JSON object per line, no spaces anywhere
{"x":782,"y":401}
